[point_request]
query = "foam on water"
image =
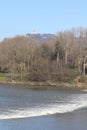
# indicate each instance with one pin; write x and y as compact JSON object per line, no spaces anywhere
{"x":75,"y":103}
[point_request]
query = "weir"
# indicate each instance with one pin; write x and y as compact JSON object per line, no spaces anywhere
{"x":76,"y":103}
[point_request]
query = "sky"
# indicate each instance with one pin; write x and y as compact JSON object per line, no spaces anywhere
{"x":19,"y":17}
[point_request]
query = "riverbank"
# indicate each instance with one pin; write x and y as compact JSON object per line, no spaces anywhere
{"x":79,"y":82}
{"x":48,"y":85}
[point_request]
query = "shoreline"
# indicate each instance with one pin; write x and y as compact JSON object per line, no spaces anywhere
{"x":48,"y":85}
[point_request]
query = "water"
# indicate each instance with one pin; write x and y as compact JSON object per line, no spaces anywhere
{"x":38,"y":110}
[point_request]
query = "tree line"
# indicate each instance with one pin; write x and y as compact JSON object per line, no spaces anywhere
{"x":61,"y":59}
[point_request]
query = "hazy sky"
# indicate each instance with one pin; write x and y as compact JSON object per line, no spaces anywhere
{"x":44,"y":16}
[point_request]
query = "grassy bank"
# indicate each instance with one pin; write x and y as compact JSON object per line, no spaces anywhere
{"x":78,"y":82}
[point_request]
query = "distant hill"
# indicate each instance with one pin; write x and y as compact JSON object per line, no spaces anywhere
{"x":41,"y":37}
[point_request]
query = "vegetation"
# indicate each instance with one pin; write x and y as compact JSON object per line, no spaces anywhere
{"x":62,"y":59}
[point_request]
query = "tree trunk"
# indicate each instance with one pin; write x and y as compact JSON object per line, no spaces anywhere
{"x":84,"y":68}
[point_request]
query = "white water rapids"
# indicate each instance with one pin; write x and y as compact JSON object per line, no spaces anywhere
{"x":71,"y":104}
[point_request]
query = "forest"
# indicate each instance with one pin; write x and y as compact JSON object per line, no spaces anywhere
{"x":61,"y":59}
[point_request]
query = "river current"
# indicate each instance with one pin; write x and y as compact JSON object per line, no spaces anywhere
{"x":18,"y":103}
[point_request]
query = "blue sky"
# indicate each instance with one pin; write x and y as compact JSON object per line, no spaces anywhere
{"x":19,"y":17}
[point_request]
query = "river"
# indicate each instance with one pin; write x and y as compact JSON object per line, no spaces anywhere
{"x":32,"y":109}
